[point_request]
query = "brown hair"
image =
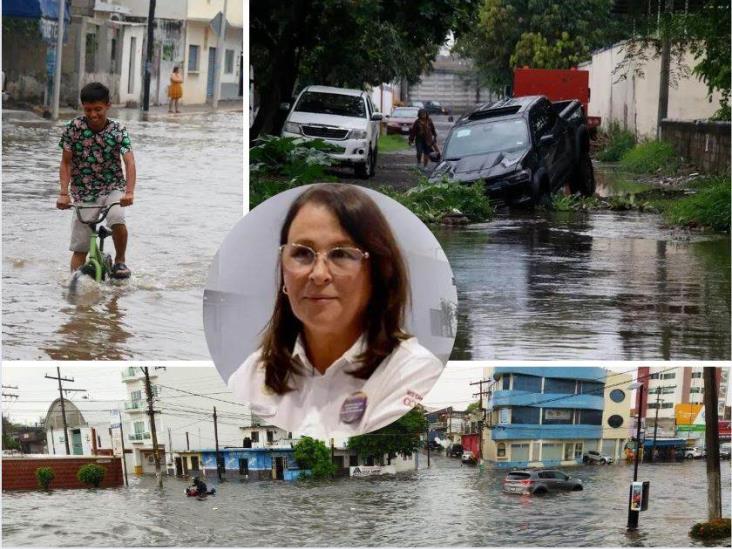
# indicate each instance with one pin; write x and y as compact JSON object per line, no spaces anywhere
{"x":360,"y":217}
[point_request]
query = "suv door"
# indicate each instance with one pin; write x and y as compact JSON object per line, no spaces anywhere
{"x":373,"y":126}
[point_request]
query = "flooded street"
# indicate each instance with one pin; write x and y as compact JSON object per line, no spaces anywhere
{"x":188,"y":196}
{"x":604,"y":285}
{"x":446,"y":505}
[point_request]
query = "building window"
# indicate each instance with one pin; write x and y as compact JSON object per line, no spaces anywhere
{"x":696,"y":374}
{"x":229,"y":62}
{"x":506,"y":382}
{"x":617,"y":395}
{"x":696,"y":390}
{"x":193,"y":57}
{"x":525,"y":415}
{"x":615,"y":421}
{"x":531,"y":384}
{"x":353,"y":461}
{"x":669,"y":390}
{"x":520,"y":452}
{"x":270,"y":436}
{"x":501,"y":450}
{"x":139,"y":427}
{"x":136,"y":395}
{"x":590,"y":417}
{"x":591,"y":388}
{"x":552,"y":416}
{"x":654,"y":376}
{"x":560,"y":386}
{"x":255,"y":436}
{"x":578,"y":446}
{"x":338,"y":461}
{"x":671,"y":375}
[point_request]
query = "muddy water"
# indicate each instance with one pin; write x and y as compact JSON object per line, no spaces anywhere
{"x":189,"y":194}
{"x":589,"y":285}
{"x":446,"y":505}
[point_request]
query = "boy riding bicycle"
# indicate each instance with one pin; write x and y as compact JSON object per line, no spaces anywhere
{"x":91,"y":171}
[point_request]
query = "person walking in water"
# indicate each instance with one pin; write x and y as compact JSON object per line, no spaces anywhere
{"x":175,"y":90}
{"x":424,"y":136}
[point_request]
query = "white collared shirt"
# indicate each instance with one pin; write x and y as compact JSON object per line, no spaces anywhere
{"x":313,"y":408}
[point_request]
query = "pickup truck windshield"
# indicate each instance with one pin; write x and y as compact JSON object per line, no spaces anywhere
{"x":332,"y":103}
{"x":498,"y":135}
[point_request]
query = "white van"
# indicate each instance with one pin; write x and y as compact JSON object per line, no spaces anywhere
{"x":344,"y":118}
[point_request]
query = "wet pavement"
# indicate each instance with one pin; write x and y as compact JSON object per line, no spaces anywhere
{"x":188,"y":196}
{"x":446,"y":505}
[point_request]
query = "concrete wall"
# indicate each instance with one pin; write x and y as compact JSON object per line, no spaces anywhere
{"x":633,"y":101}
{"x":19,"y":473}
{"x":195,"y":85}
{"x":452,"y":83}
{"x":706,"y":145}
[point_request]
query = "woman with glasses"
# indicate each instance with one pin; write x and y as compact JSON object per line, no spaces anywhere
{"x":335,"y":358}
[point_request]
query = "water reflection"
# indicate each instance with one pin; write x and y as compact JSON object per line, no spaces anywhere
{"x":601,"y":285}
{"x":446,"y":505}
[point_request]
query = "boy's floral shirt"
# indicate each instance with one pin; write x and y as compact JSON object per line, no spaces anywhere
{"x":96,"y":167}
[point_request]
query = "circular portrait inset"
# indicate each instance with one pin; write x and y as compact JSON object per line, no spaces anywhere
{"x":331,"y":310}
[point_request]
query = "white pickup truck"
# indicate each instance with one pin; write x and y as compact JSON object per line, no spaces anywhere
{"x":347,"y":119}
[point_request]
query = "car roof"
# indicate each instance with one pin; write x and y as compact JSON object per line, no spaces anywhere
{"x":332,"y":89}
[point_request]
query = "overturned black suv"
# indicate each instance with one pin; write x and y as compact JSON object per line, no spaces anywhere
{"x":523,"y":148}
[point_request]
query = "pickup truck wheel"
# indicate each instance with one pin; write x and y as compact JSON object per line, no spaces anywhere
{"x":365,"y":170}
{"x":583,"y":178}
{"x":540,"y":491}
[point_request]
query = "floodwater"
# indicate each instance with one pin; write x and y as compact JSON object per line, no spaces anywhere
{"x":446,"y":505}
{"x":188,"y":196}
{"x":589,"y":285}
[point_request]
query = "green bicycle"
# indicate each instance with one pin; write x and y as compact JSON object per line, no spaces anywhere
{"x":98,"y":264}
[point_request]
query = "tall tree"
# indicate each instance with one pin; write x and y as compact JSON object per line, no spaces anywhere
{"x":344,"y":42}
{"x":401,"y":437}
{"x":549,"y":34}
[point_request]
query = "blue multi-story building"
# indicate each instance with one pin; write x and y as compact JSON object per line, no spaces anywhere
{"x":543,"y":417}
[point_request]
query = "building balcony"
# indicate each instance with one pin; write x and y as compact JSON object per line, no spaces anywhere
{"x":547,"y":400}
{"x":581,"y":373}
{"x":133,"y":374}
{"x":136,"y":406}
{"x":138,"y":437}
{"x":546,"y":432}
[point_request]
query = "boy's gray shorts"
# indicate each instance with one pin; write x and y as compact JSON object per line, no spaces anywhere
{"x":81,"y":233}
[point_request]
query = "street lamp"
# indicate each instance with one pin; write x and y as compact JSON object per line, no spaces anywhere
{"x":634,"y":514}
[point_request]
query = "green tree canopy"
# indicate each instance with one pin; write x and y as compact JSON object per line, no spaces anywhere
{"x":551,"y":34}
{"x":401,"y":437}
{"x":344,"y":43}
{"x":314,"y":455}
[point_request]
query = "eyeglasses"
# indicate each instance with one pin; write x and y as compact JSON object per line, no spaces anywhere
{"x":301,"y":259}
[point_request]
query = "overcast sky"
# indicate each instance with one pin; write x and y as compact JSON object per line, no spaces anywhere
{"x":103,"y":383}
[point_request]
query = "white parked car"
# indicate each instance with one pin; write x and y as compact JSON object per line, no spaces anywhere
{"x":694,"y":453}
{"x":347,"y":119}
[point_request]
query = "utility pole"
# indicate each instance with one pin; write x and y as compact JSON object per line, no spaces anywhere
{"x":188,"y":442}
{"x":124,"y":458}
{"x":148,"y":57}
{"x":481,"y":421}
{"x":220,"y":45}
{"x":665,"y":32}
{"x":216,"y":438}
{"x":655,"y":423}
{"x":153,"y":432}
{"x":59,"y":56}
{"x":711,"y":438}
{"x":63,"y":406}
{"x":170,"y":460}
{"x":428,"y":447}
{"x":634,"y":515}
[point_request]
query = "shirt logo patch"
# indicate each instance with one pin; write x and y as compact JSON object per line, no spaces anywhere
{"x":353,"y":407}
{"x":411,"y":399}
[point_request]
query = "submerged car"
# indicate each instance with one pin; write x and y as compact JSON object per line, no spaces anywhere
{"x":523,"y":149}
{"x":468,"y":457}
{"x":694,"y":453}
{"x":593,"y":456}
{"x":539,"y":481}
{"x":401,"y":119}
{"x":725,"y":450}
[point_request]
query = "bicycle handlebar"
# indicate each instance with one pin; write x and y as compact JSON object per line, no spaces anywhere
{"x":103,"y":211}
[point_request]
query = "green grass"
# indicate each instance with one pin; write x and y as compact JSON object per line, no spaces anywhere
{"x":708,"y":207}
{"x":392,"y":143}
{"x":620,"y":141}
{"x":651,"y":157}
